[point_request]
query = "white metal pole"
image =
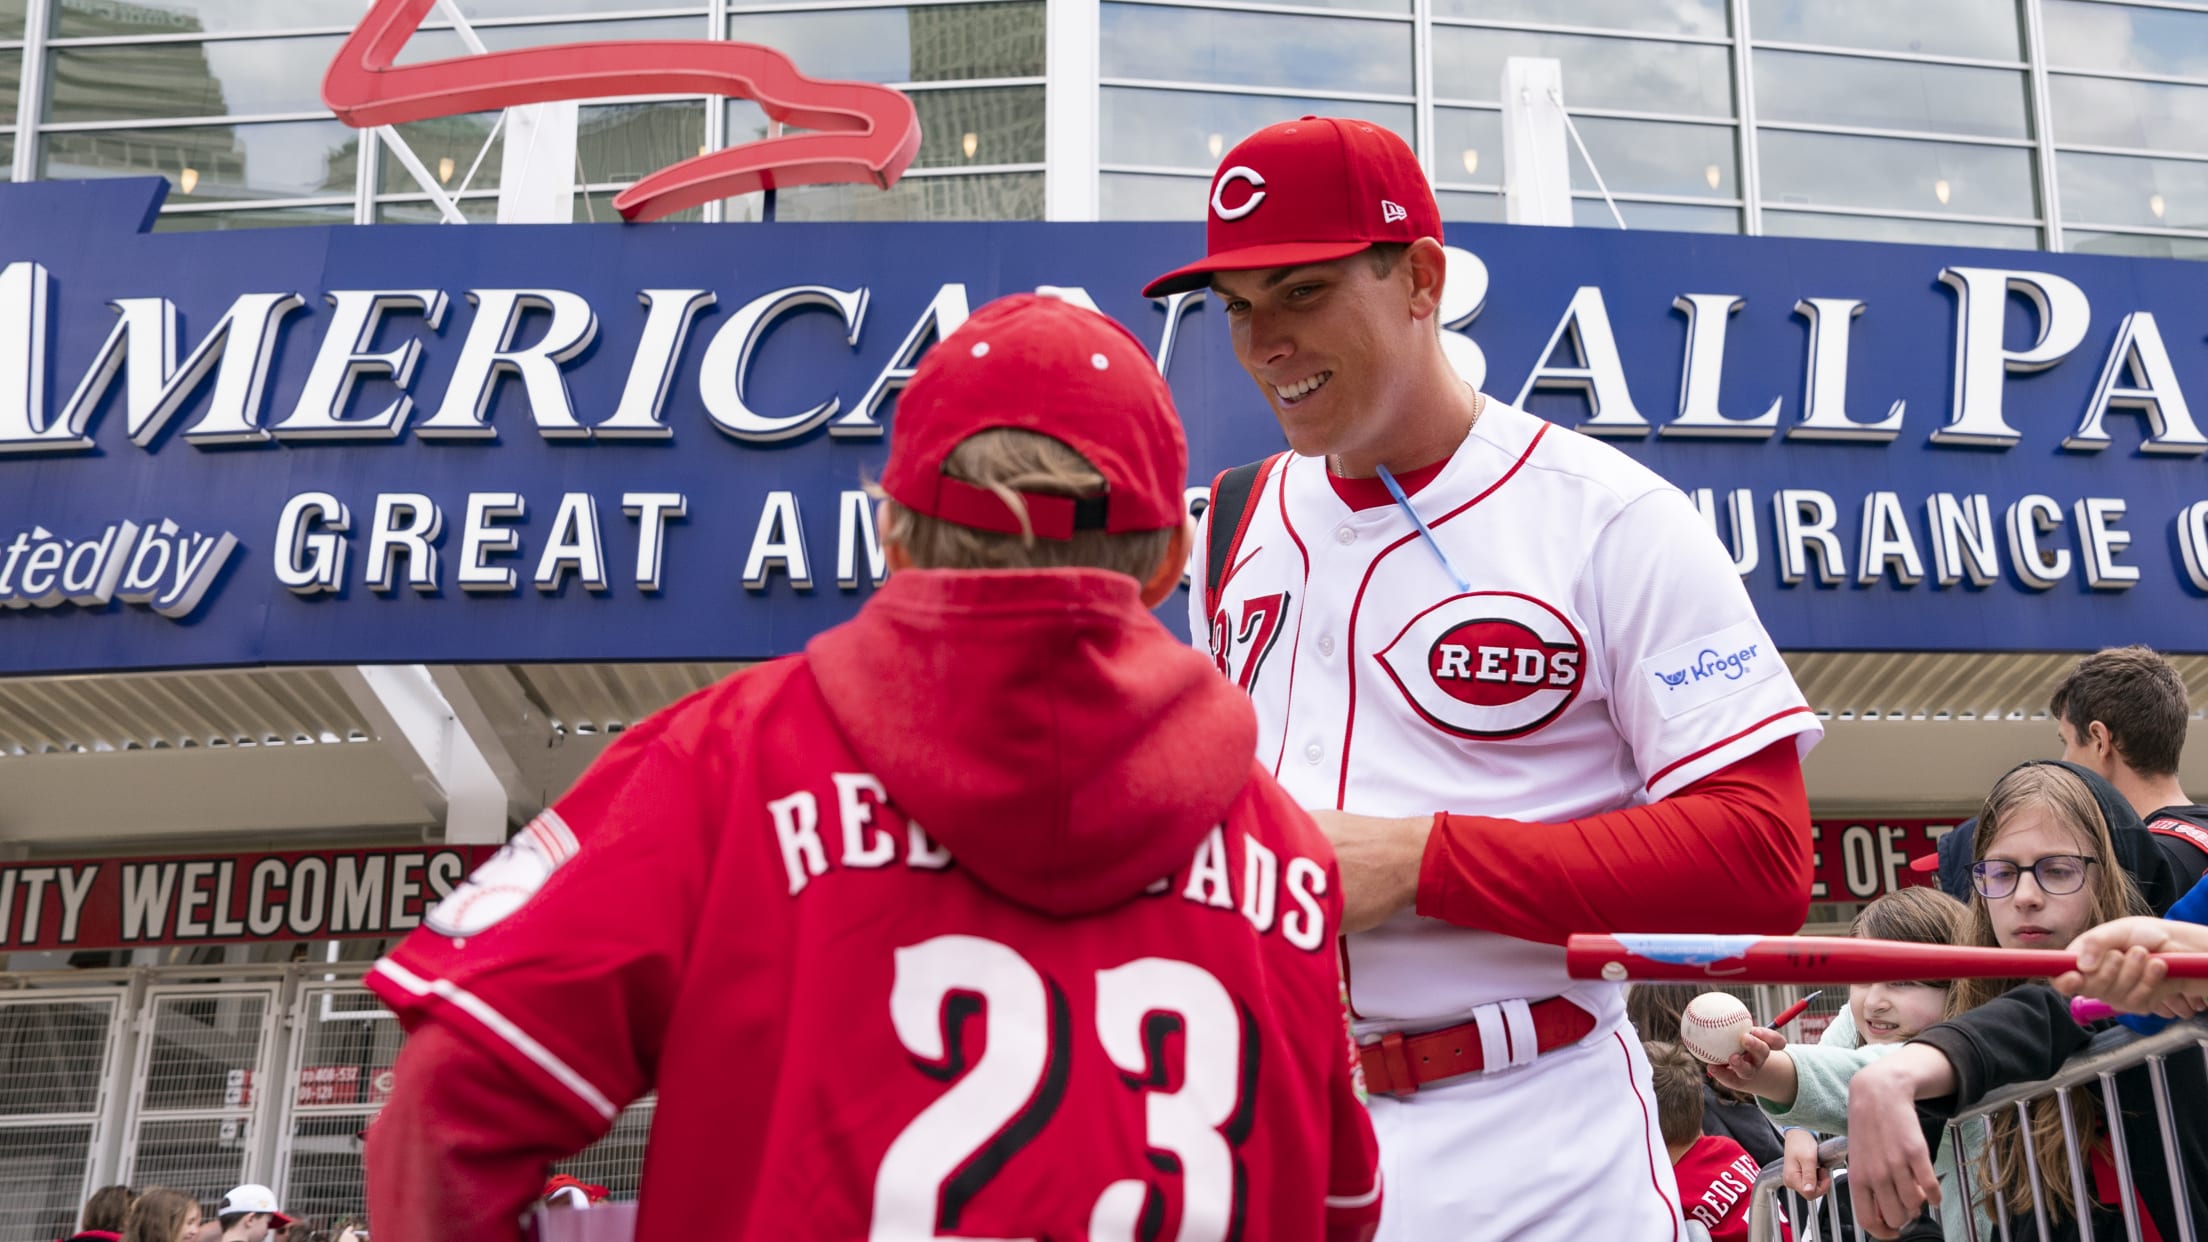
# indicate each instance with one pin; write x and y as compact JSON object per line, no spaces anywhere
{"x":537,"y":176}
{"x":1072,"y":129}
{"x":1537,"y":171}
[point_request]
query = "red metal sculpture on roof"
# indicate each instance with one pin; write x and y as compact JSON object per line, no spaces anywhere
{"x":864,"y":133}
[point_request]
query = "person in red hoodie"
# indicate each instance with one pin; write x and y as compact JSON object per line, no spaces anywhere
{"x":977,"y":919}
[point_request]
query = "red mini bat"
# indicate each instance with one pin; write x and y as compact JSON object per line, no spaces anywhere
{"x":868,"y":133}
{"x":1795,"y":1010}
{"x":1819,"y":959}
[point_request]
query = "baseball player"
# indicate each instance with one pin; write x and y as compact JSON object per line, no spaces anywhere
{"x":975,"y":920}
{"x":1514,"y":676}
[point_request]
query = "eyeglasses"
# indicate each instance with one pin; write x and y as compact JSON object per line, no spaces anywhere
{"x":2056,"y":875}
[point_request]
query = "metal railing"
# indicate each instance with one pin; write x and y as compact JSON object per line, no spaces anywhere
{"x":2095,"y":1068}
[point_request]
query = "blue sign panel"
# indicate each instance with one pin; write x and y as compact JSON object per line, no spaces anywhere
{"x":367,"y":444}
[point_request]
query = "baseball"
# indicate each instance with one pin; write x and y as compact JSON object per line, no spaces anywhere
{"x":1712,"y":1026}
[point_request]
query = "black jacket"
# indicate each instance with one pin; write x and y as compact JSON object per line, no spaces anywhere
{"x":2026,"y":1034}
{"x":1743,"y":1122}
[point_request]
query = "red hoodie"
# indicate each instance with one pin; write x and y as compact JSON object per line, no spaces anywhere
{"x":1117,"y":1010}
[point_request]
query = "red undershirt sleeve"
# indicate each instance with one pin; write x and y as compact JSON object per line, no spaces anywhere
{"x":1728,"y":853}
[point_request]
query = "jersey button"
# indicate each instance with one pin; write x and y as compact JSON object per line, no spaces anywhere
{"x":1314,"y":752}
{"x":1345,"y":535}
{"x":1326,"y":644}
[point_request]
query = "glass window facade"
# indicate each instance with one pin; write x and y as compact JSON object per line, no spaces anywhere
{"x":223,"y":98}
{"x":2004,"y":122}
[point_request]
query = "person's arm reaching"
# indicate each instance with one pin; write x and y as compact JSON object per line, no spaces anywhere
{"x":1890,"y":1173}
{"x":2022,"y":1035}
{"x":2117,"y":966}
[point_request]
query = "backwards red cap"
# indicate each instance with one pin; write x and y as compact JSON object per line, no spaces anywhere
{"x":1042,"y":364}
{"x":1309,"y":191}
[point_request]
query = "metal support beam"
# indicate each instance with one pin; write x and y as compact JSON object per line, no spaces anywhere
{"x":449,"y":769}
{"x":537,"y":174}
{"x":1072,"y":133}
{"x":30,"y":91}
{"x":499,"y":717}
{"x":1537,"y":171}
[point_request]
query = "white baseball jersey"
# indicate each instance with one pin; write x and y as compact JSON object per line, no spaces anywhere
{"x":1605,"y":655}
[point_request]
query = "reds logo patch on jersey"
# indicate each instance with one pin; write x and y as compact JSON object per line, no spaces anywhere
{"x":1491,"y":664}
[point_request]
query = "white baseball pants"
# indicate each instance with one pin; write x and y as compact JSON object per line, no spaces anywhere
{"x":1562,"y":1150}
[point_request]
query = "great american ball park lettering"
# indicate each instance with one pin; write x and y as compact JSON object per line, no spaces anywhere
{"x":651,"y":441}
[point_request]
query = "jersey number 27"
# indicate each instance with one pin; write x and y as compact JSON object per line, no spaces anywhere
{"x":1000,"y":1103}
{"x":1239,"y":647}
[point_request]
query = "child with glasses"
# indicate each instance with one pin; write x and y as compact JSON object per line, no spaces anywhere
{"x":2045,"y":867}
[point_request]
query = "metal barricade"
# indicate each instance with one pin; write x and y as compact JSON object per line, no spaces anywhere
{"x":2095,"y":1067}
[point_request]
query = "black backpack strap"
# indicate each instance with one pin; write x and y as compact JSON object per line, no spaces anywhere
{"x":1229,"y":513}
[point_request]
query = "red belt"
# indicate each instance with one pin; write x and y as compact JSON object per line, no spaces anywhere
{"x":1400,"y":1065}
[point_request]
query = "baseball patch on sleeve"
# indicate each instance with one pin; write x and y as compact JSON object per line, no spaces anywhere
{"x":1711,"y":667}
{"x":506,"y":880}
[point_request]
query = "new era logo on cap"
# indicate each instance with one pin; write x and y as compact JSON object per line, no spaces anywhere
{"x":1317,"y":179}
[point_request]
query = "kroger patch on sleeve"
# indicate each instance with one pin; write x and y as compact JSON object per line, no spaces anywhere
{"x":1711,"y":667}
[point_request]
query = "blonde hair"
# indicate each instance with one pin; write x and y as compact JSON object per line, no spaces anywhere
{"x":1008,"y":461}
{"x":2070,"y":800}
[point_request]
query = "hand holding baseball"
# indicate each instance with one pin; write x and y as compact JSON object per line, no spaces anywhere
{"x":1744,"y":1070}
{"x":1713,"y":1025}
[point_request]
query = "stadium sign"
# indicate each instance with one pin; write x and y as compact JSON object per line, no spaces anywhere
{"x":366,"y":444}
{"x":111,"y":903}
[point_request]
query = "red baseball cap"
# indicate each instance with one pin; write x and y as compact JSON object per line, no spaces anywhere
{"x":1928,"y":862}
{"x":1309,"y":191}
{"x":1042,"y":364}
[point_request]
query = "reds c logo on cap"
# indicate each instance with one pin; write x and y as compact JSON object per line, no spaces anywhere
{"x":1489,"y":665}
{"x":1240,"y":172}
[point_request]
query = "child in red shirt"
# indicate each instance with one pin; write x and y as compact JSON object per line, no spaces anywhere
{"x":1715,"y":1174}
{"x":977,"y":919}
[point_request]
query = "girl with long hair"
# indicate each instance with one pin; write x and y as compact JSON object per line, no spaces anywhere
{"x":162,"y":1215}
{"x":2045,"y":867}
{"x":2045,"y":814}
